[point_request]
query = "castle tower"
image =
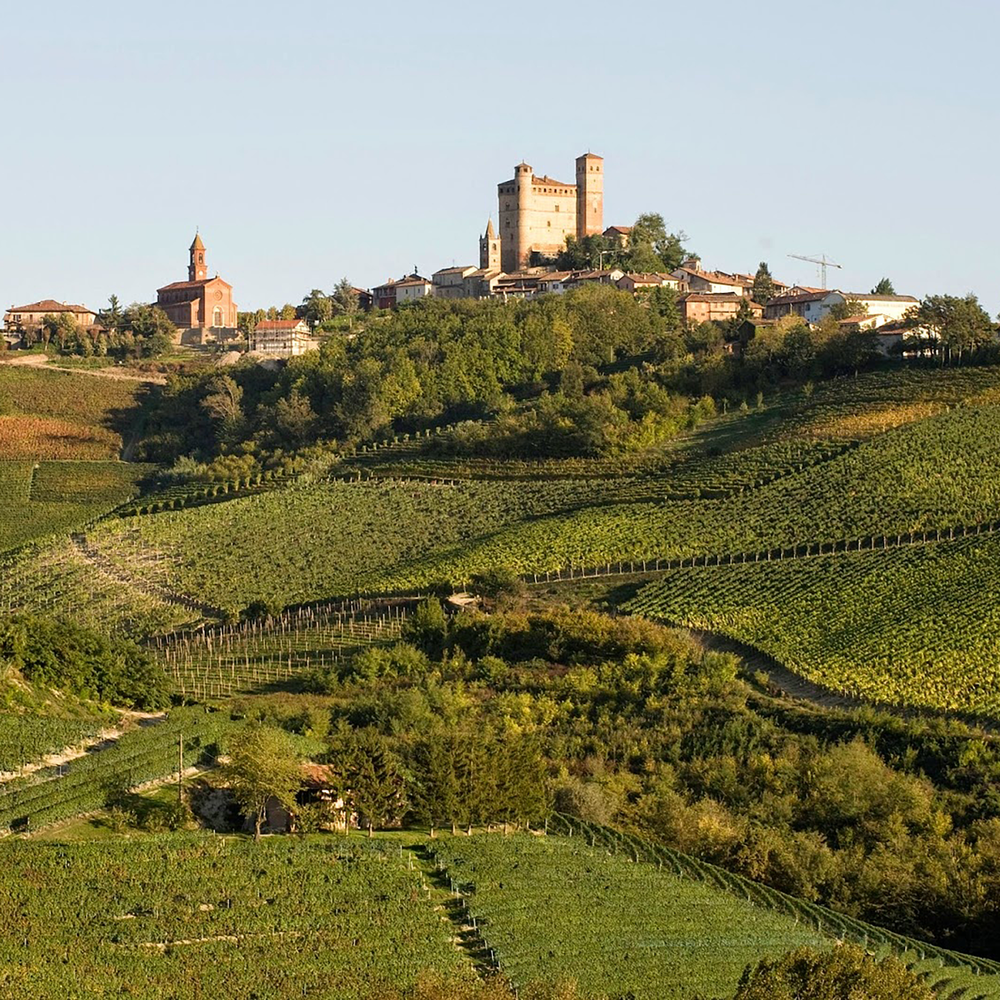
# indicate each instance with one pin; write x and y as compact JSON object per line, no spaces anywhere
{"x":518,"y":248}
{"x":197,"y":270}
{"x":489,"y":248}
{"x":589,"y":195}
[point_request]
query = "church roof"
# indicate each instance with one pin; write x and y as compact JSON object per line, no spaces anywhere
{"x":197,"y":244}
{"x":491,"y":233}
{"x":200,"y":283}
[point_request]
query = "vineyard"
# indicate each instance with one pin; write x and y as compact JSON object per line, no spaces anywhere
{"x":916,"y":625}
{"x":594,"y":908}
{"x":192,"y":916}
{"x":26,"y":738}
{"x":45,"y":498}
{"x":227,"y":660}
{"x":626,"y":917}
{"x":63,"y":415}
{"x":90,"y":782}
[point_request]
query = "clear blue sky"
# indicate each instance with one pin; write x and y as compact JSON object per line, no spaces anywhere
{"x":312,"y":140}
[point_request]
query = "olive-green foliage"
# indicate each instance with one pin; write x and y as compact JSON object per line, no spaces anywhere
{"x":845,"y":971}
{"x":61,"y":654}
{"x":263,"y":766}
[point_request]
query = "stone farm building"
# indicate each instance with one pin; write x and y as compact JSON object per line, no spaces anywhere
{"x":202,"y":308}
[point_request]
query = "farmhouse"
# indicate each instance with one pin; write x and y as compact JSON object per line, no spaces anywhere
{"x":19,"y":319}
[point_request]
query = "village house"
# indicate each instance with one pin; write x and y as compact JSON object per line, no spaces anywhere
{"x":282,"y":338}
{"x":639,"y":282}
{"x":808,"y":305}
{"x":449,"y":282}
{"x":25,"y":319}
{"x":717,"y":307}
{"x":413,"y":288}
{"x":620,"y":234}
{"x":711,"y":282}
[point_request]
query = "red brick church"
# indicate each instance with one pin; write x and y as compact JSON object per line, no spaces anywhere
{"x":202,"y":307}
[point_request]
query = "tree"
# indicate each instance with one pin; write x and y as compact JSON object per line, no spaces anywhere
{"x":263,"y":765}
{"x":652,"y":248}
{"x":884,"y":287}
{"x":222,"y":404}
{"x":112,"y":318}
{"x":374,"y":779}
{"x":344,"y":298}
{"x":960,"y":324}
{"x":316,"y":307}
{"x":763,"y":284}
{"x":848,"y":308}
{"x":846,"y":971}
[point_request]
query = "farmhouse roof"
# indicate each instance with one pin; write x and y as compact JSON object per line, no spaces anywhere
{"x":51,"y":306}
{"x":713,"y":297}
{"x":715,"y":277}
{"x":862,"y":297}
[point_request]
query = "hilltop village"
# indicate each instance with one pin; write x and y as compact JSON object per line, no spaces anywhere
{"x":550,"y":238}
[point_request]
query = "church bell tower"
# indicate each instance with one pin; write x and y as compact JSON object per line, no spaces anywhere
{"x":197,"y":271}
{"x":489,"y":248}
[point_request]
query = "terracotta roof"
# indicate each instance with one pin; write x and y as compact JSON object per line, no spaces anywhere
{"x":555,"y":276}
{"x":277,"y":324}
{"x":200,"y":283}
{"x":197,"y":244}
{"x":716,"y":297}
{"x":790,"y":300}
{"x":624,"y":230}
{"x":861,"y":297}
{"x":491,"y":233}
{"x":715,"y":277}
{"x":649,"y":278}
{"x":51,"y":306}
{"x":455,"y":270}
{"x":545,"y":179}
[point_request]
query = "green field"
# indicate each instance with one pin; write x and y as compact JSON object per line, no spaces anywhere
{"x":193,"y":916}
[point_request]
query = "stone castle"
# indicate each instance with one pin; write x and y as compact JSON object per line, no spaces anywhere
{"x":536,"y":215}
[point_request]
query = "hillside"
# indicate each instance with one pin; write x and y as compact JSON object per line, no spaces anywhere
{"x":61,"y":436}
{"x":887,"y":462}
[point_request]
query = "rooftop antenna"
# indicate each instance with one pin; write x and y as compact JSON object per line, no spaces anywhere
{"x":822,"y":262}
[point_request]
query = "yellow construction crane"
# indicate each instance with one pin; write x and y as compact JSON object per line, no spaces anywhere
{"x":822,"y":261}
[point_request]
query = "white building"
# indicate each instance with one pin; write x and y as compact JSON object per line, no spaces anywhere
{"x":449,"y":282}
{"x":282,"y":338}
{"x":413,"y":288}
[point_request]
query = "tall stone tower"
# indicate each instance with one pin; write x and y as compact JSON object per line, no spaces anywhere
{"x":489,"y":248}
{"x":589,"y":195}
{"x":197,"y":270}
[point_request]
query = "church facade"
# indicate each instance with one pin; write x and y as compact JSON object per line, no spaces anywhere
{"x":202,"y":308}
{"x":537,"y":213}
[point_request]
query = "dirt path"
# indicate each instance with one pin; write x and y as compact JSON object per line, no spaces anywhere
{"x":42,"y":361}
{"x":101,"y":562}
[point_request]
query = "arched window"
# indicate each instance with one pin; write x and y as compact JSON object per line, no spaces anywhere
{"x":217,"y":319}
